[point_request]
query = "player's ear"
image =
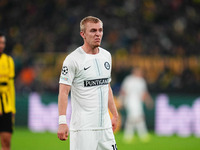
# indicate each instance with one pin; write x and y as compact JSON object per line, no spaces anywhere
{"x":82,"y":34}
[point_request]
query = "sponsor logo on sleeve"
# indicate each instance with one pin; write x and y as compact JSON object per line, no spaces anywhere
{"x":63,"y":78}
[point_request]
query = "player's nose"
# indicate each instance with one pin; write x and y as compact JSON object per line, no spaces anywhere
{"x":98,"y":33}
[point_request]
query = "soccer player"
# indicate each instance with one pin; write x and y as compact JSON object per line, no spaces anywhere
{"x":134,"y":93}
{"x":7,"y":96}
{"x":87,"y":72}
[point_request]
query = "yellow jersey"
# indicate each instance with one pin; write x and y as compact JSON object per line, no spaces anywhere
{"x":7,"y":89}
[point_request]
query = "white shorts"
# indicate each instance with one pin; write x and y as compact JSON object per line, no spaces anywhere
{"x":92,"y":140}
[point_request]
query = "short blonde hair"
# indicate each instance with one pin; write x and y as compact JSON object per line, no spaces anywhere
{"x":89,"y":19}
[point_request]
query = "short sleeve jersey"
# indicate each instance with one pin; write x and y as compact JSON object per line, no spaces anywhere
{"x":89,"y":76}
{"x":134,"y":88}
{"x":7,"y":89}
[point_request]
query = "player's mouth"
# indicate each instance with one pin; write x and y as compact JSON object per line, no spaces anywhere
{"x":97,"y":40}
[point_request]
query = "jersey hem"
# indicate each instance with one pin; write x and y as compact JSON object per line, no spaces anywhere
{"x":64,"y":83}
{"x":97,"y":129}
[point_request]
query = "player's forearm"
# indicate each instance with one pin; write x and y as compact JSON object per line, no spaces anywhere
{"x":62,"y":103}
{"x":111,"y":103}
{"x":121,"y":97}
{"x":147,"y":97}
{"x":148,"y":100}
{"x":63,"y":98}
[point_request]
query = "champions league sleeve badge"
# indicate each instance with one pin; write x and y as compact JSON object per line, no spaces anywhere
{"x":107,"y":65}
{"x":64,"y":70}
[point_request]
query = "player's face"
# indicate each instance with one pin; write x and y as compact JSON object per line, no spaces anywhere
{"x":2,"y":43}
{"x":138,"y":72}
{"x":93,"y":34}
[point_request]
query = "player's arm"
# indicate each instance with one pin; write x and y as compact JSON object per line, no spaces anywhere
{"x":11,"y":84}
{"x":121,"y":97}
{"x":63,"y":130}
{"x":112,"y":108}
{"x":148,"y":100}
{"x":122,"y":93}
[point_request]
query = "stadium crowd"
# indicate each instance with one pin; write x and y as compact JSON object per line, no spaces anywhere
{"x":165,"y":28}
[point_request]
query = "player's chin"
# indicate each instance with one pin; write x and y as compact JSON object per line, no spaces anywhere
{"x":97,"y":44}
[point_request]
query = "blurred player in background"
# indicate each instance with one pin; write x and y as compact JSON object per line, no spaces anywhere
{"x":134,"y":93}
{"x":87,"y":72}
{"x":7,"y":96}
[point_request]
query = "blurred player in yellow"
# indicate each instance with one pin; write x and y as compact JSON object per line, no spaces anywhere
{"x":134,"y":92}
{"x":7,"y":96}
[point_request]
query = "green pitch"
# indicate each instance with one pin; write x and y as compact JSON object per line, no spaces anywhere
{"x":23,"y":139}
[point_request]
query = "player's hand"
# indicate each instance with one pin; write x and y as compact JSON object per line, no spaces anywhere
{"x":114,"y":122}
{"x":150,"y":104}
{"x":13,"y":117}
{"x":63,"y":132}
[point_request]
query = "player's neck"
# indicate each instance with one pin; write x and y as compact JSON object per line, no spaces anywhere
{"x":90,"y":50}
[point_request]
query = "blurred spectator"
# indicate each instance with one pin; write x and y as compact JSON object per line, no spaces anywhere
{"x":27,"y":76}
{"x":144,"y":28}
{"x":165,"y":78}
{"x":49,"y":26}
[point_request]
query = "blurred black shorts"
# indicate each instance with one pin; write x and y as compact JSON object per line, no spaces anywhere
{"x":6,"y":123}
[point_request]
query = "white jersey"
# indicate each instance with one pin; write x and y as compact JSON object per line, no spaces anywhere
{"x":134,"y":88}
{"x":89,"y":76}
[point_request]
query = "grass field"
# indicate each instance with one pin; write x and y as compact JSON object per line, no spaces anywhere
{"x":23,"y":139}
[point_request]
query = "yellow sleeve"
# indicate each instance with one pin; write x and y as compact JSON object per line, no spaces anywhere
{"x":11,"y":84}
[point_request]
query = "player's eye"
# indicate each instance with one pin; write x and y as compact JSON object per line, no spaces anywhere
{"x":93,"y":30}
{"x":100,"y":30}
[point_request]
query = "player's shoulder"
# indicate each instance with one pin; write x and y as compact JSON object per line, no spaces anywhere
{"x":6,"y":56}
{"x":128,"y":78}
{"x":140,"y":80}
{"x":143,"y":80}
{"x":74,"y":55}
{"x":104,"y":51}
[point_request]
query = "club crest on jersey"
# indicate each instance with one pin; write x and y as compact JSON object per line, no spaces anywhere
{"x":64,"y":70}
{"x":107,"y":65}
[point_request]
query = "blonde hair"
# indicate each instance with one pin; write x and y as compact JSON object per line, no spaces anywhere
{"x":89,"y":19}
